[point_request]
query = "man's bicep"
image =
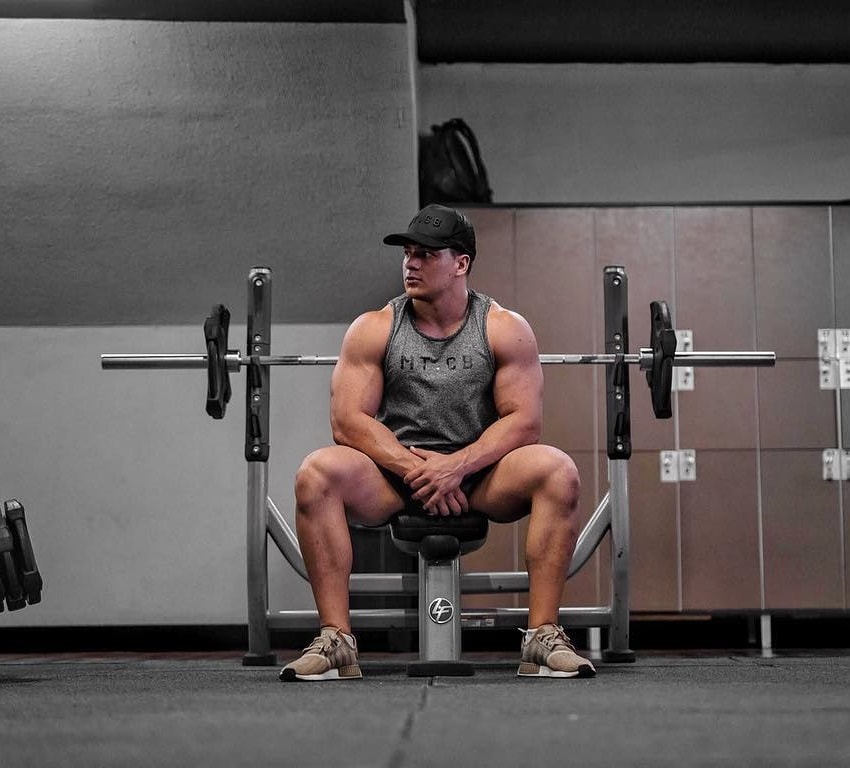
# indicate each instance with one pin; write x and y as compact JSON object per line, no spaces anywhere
{"x":357,"y":380}
{"x":356,"y":387}
{"x":519,"y":376}
{"x":518,"y":386}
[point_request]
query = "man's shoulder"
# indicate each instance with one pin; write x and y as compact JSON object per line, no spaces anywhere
{"x":508,"y":330}
{"x":374,"y":318}
{"x":504,"y":317}
{"x":368,"y":333}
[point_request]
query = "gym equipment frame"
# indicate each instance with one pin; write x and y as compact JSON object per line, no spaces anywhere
{"x":266,"y":521}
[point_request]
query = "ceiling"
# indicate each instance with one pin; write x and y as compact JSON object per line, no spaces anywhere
{"x":532,"y":31}
{"x":778,"y":31}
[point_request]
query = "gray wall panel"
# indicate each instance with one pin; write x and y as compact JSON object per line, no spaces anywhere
{"x":720,"y":541}
{"x":654,"y":548}
{"x":802,"y":533}
{"x":555,"y":269}
{"x":721,"y":411}
{"x":715,"y":300}
{"x":793,"y":411}
{"x":714,"y":276}
{"x":841,"y":253}
{"x":494,"y":269}
{"x":793,"y":278}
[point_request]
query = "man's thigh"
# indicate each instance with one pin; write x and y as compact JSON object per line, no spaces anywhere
{"x":368,"y":497}
{"x":505,"y":492}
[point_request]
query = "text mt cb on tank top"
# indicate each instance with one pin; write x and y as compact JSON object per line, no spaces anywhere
{"x":438,"y":393}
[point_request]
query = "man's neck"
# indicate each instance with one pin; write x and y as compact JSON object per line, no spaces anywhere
{"x":444,"y":315}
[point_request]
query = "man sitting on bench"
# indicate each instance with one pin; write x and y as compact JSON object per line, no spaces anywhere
{"x":437,"y":400}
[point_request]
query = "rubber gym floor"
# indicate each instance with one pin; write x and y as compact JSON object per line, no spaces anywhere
{"x":705,"y":708}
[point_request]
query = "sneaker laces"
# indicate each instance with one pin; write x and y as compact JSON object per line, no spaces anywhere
{"x":322,"y":644}
{"x":554,"y":638}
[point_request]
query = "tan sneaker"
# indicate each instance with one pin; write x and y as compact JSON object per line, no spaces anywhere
{"x":549,"y":653}
{"x":331,"y":656}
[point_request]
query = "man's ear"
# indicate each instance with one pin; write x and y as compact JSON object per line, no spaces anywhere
{"x":463,"y":263}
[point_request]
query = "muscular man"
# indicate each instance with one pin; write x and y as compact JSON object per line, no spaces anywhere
{"x":437,"y":400}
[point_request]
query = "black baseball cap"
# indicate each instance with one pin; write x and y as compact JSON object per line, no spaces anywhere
{"x":437,"y":226}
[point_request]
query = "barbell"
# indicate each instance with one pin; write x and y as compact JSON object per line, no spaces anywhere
{"x":234,"y":360}
{"x":657,"y":360}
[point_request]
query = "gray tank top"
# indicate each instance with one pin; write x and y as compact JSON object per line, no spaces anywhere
{"x":438,"y":393}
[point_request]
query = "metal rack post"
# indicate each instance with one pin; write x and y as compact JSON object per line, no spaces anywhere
{"x":619,"y":446}
{"x":257,"y":455}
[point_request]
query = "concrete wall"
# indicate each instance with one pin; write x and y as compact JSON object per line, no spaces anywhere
{"x":144,"y":167}
{"x":651,"y":133}
{"x":135,"y":497}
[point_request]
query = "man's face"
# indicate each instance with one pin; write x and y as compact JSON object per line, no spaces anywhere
{"x":427,"y":272}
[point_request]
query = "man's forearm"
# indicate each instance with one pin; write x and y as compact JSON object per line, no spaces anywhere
{"x":369,"y":436}
{"x":499,"y":439}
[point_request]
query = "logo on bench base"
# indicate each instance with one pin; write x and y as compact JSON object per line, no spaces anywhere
{"x":441,"y":610}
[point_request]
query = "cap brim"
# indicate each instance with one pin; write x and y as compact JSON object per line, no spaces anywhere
{"x":406,"y":238}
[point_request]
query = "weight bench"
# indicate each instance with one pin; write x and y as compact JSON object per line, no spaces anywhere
{"x":439,"y":542}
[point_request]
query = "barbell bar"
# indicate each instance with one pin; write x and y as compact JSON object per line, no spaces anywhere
{"x":656,"y":360}
{"x":234,"y":360}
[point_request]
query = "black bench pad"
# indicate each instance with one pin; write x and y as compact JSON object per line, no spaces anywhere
{"x":415,"y":526}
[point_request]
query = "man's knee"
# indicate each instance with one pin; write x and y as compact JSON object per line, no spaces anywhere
{"x":314,"y":478}
{"x":336,"y":478}
{"x":559,"y":476}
